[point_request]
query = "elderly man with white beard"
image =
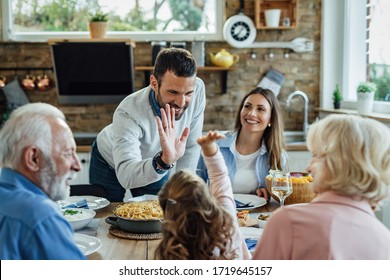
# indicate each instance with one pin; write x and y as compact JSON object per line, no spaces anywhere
{"x":38,"y":160}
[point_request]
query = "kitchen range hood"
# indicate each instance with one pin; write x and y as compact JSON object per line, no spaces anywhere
{"x":93,"y":71}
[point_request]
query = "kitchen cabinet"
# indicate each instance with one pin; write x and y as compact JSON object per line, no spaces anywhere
{"x":288,"y":10}
{"x":147,"y":70}
{"x":298,"y":160}
{"x":83,"y":175}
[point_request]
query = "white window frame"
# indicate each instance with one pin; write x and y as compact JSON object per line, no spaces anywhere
{"x":135,"y":36}
{"x":343,"y":41}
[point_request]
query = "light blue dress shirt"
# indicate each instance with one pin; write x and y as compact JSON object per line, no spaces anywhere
{"x":31,"y":224}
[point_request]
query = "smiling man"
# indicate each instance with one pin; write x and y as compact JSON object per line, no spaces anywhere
{"x":127,"y":153}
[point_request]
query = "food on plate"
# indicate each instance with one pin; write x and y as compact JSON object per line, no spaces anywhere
{"x":140,"y":210}
{"x":242,"y":217}
{"x":243,"y":214}
{"x":296,"y":177}
{"x":264,"y":217}
{"x":78,"y":218}
{"x":75,"y":215}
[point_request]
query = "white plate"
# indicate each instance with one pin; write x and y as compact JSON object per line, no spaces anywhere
{"x":144,"y":197}
{"x":253,"y":199}
{"x":86,"y":243}
{"x":251,"y":233}
{"x":94,"y":202}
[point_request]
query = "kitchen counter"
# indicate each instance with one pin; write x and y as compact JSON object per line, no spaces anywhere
{"x":382,"y":117}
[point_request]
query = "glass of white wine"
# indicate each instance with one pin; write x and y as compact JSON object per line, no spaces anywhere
{"x":281,"y":186}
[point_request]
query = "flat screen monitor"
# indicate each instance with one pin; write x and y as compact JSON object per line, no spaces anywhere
{"x":93,"y":72}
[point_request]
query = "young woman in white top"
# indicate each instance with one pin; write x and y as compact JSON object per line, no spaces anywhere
{"x":255,"y":146}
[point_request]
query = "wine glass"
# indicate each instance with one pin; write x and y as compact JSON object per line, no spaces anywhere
{"x":281,"y":187}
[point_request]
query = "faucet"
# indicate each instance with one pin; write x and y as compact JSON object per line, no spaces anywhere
{"x":306,"y":108}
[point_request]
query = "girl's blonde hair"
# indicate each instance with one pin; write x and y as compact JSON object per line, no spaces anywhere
{"x":355,"y":154}
{"x":195,"y":227}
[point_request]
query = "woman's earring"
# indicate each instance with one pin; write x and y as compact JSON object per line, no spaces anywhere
{"x":269,"y":125}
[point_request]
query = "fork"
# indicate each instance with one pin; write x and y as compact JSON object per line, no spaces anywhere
{"x":297,"y":45}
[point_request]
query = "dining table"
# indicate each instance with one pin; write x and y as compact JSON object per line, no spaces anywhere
{"x":117,"y":248}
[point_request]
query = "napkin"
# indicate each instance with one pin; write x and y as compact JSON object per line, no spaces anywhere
{"x":80,"y":204}
{"x":251,"y":243}
{"x":240,"y":204}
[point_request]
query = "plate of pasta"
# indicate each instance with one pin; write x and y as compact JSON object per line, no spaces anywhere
{"x":138,"y":215}
{"x":140,"y":210}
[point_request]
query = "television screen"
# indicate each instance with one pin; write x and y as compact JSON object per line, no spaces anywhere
{"x":93,"y":72}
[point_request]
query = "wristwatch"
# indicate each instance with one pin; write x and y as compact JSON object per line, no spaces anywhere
{"x":159,"y":165}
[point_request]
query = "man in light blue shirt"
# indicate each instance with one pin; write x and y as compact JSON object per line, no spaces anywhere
{"x":38,"y":160}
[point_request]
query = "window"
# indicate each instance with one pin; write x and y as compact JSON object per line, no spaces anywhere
{"x":378,"y":47}
{"x":348,"y":48}
{"x":139,"y":20}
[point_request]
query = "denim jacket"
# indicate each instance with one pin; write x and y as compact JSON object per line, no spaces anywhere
{"x":226,"y":146}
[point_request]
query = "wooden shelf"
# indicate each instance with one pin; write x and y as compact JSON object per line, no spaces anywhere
{"x":92,"y":40}
{"x":224,"y":70}
{"x":288,"y":7}
{"x":204,"y":68}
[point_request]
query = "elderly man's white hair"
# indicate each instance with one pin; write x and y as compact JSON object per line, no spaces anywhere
{"x":27,"y":125}
{"x":38,"y":107}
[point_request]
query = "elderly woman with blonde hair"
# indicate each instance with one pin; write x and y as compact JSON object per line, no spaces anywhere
{"x":351,"y":171}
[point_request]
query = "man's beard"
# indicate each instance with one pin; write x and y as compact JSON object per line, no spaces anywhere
{"x":55,"y":186}
{"x":172,"y":104}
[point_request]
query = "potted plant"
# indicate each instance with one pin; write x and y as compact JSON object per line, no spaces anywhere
{"x":365,"y":97}
{"x":98,"y":24}
{"x":337,"y":97}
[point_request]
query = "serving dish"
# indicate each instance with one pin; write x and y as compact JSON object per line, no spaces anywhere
{"x":302,"y":189}
{"x":262,"y":218}
{"x":137,"y":225}
{"x":78,"y":217}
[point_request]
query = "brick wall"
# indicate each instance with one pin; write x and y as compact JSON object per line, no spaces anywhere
{"x":301,"y":73}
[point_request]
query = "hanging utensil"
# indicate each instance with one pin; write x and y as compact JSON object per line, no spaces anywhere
{"x":298,"y":45}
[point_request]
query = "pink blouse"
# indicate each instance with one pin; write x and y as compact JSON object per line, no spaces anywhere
{"x":221,"y":189}
{"x":332,"y":226}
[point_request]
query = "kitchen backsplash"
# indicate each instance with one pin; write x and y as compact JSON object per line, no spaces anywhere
{"x":301,"y":72}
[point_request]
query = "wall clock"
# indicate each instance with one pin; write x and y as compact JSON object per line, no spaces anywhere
{"x":239,"y":30}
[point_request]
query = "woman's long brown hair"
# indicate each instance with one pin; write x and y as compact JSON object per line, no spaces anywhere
{"x":273,"y":136}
